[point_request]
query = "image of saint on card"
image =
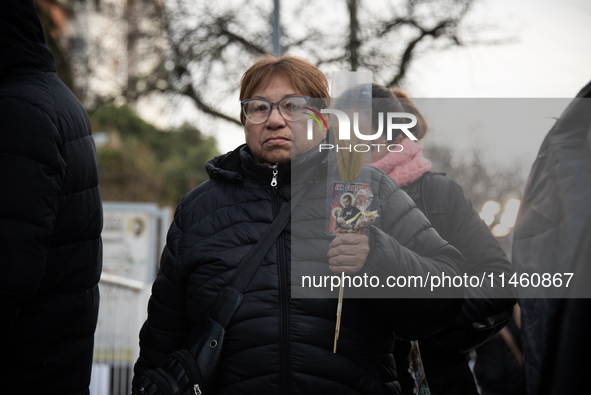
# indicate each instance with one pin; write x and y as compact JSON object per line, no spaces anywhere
{"x":348,"y":208}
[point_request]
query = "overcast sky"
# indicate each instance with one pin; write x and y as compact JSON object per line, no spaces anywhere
{"x":551,"y":57}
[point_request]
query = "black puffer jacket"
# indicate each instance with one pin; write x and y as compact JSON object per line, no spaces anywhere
{"x":485,"y":308}
{"x":274,"y":343}
{"x":50,"y":218}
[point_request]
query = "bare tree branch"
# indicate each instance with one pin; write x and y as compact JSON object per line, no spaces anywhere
{"x":408,"y":53}
{"x":203,"y":48}
{"x":190,"y":92}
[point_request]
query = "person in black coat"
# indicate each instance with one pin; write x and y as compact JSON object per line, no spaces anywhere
{"x":552,"y":238}
{"x":50,"y":218}
{"x":276,"y":343}
{"x":451,"y":214}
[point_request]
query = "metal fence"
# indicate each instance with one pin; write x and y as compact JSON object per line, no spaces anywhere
{"x":133,"y":238}
{"x":122,"y":312}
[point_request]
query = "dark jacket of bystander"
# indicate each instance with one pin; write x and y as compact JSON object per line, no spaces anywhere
{"x":452,"y":215}
{"x":50,"y":218}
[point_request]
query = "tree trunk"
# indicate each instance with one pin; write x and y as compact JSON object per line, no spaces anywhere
{"x":353,"y":39}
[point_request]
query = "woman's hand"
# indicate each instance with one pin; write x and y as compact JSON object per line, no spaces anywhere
{"x":347,"y":253}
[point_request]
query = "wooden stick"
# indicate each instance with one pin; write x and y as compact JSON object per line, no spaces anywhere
{"x":339,"y":312}
{"x":349,"y":165}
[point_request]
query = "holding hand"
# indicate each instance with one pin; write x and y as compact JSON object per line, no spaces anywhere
{"x":347,"y":253}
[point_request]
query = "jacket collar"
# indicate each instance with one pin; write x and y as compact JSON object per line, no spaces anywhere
{"x":25,"y":57}
{"x":239,"y":165}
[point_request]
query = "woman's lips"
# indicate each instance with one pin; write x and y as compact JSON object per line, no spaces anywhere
{"x":277,"y":140}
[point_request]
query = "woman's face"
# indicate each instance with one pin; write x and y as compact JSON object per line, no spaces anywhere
{"x":378,"y":151}
{"x":274,"y":140}
{"x":347,"y":201}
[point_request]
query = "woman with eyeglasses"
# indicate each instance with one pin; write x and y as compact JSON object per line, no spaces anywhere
{"x":275,"y":344}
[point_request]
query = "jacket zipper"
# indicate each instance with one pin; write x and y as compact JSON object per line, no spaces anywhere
{"x":274,"y":179}
{"x":283,"y":294}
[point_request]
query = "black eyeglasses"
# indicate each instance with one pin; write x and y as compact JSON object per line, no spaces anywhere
{"x":258,"y":110}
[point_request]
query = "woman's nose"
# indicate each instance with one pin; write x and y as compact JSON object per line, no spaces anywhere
{"x":275,"y":119}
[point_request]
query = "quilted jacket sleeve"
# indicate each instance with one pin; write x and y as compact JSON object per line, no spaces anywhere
{"x":405,"y":244}
{"x":483,"y":254}
{"x":167,"y":325}
{"x":30,"y":180}
{"x":486,"y":309}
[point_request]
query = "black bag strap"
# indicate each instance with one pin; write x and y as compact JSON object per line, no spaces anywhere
{"x":230,"y":297}
{"x":253,"y":259}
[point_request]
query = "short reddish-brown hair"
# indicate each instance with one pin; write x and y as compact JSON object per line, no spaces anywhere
{"x":306,"y":78}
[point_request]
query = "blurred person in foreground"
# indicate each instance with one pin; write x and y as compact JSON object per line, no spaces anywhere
{"x":485,"y":310}
{"x":50,"y":218}
{"x":552,"y":235}
{"x":276,"y":344}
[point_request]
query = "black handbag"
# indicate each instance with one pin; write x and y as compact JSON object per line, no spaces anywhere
{"x":191,"y":370}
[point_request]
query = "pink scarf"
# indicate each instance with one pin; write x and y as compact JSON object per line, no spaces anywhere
{"x":405,"y":166}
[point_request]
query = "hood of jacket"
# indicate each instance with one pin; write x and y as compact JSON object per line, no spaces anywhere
{"x":228,"y":166}
{"x":22,"y":44}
